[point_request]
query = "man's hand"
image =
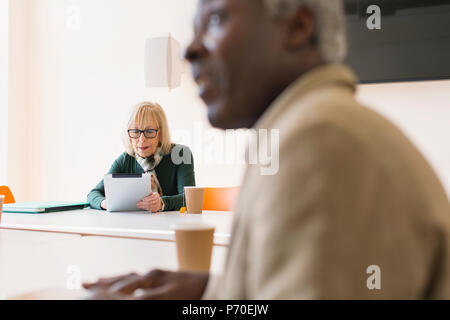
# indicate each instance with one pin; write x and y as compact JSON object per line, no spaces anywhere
{"x":152,"y":203}
{"x":155,"y":285}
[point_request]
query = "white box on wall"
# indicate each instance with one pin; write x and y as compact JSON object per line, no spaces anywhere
{"x":163,"y":63}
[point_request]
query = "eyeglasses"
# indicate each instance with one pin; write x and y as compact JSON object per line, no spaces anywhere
{"x":136,"y":134}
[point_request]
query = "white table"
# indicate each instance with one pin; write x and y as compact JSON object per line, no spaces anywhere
{"x":32,"y":261}
{"x":48,"y":250}
{"x":132,"y":225}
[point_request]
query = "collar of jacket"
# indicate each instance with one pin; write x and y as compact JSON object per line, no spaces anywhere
{"x":325,"y":75}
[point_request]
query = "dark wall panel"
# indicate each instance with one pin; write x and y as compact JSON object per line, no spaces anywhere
{"x":413,"y":43}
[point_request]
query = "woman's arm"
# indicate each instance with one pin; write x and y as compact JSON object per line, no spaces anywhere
{"x":185,"y":178}
{"x":97,"y":195}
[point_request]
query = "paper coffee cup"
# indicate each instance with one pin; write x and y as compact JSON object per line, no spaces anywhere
{"x":2,"y":199}
{"x":194,"y":246}
{"x":194,"y":199}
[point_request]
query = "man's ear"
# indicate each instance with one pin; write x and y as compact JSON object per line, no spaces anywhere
{"x":300,"y":29}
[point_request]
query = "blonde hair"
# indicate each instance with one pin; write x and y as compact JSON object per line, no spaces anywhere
{"x":142,"y":114}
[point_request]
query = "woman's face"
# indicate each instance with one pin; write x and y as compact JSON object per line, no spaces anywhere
{"x":145,"y":147}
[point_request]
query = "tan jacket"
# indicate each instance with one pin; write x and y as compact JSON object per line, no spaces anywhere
{"x":351,"y":192}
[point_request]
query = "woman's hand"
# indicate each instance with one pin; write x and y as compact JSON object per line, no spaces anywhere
{"x":152,"y":203}
{"x":103,"y":205}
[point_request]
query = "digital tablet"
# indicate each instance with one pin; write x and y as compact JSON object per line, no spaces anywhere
{"x":124,"y":191}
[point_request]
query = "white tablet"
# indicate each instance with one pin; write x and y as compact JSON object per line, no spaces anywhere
{"x":124,"y":191}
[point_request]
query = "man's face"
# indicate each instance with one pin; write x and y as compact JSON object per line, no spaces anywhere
{"x":234,"y":60}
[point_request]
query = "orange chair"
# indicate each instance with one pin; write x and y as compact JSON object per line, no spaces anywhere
{"x":9,"y":198}
{"x":220,"y":199}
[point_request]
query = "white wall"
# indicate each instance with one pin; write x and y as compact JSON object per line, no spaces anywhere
{"x":3,"y":92}
{"x":74,"y":89}
{"x":18,"y":137}
{"x":422,"y":111}
{"x":80,"y":87}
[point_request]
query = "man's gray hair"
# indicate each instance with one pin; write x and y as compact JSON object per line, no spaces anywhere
{"x":330,"y":24}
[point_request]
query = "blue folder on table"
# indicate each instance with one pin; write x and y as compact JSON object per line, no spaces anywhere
{"x":43,"y":207}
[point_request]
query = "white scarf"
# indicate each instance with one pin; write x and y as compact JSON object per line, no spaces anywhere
{"x":149,"y":164}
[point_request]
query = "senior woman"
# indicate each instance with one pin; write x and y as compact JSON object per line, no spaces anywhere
{"x":148,"y":150}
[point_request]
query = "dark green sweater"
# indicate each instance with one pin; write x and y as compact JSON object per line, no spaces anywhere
{"x":172,"y":178}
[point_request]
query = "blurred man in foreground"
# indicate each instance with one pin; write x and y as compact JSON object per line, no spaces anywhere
{"x":352,"y":195}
